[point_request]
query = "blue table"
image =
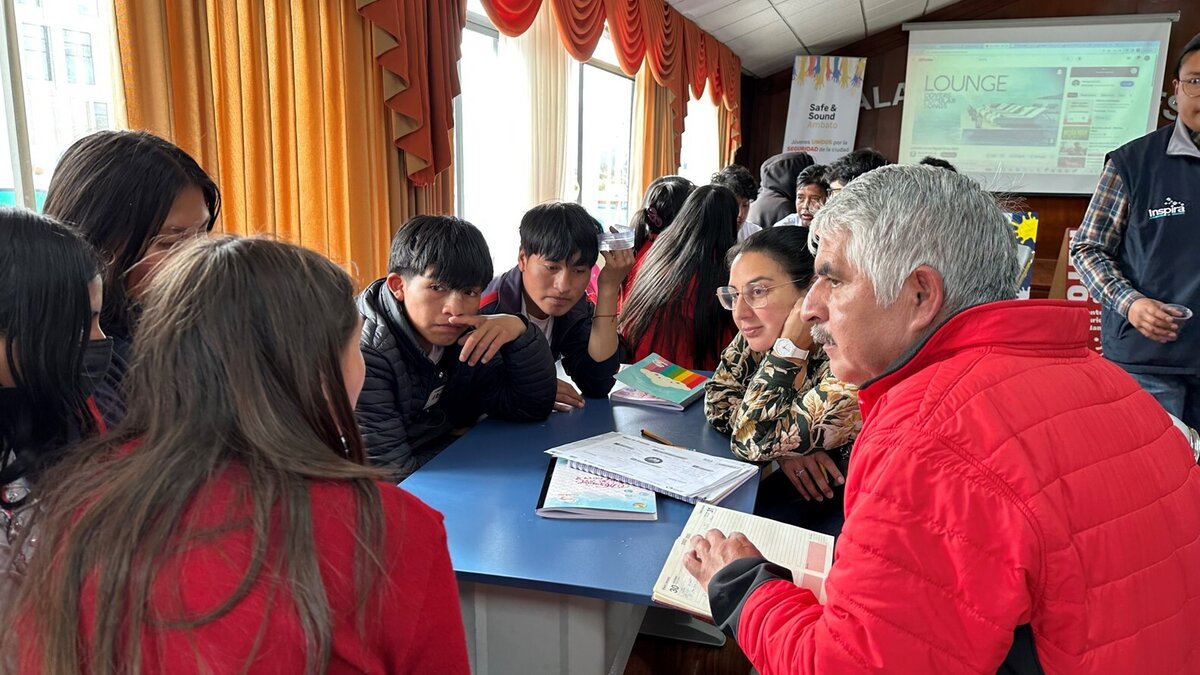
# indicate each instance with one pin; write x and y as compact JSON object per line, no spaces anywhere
{"x":546,"y":595}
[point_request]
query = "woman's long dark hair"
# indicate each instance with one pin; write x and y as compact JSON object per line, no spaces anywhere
{"x":237,"y":372}
{"x":117,"y":187}
{"x":45,"y":319}
{"x":787,"y":246}
{"x":664,"y":197}
{"x":692,"y":249}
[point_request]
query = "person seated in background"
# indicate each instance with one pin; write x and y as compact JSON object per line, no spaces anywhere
{"x":938,"y":162}
{"x":230,"y":524}
{"x":672,"y":308}
{"x":812,"y":189}
{"x":772,"y":391}
{"x":740,"y":182}
{"x":777,"y":188}
{"x":852,"y":165}
{"x":664,"y":197}
{"x":434,"y":364}
{"x":559,"y":246}
{"x":54,"y":354}
{"x":135,"y":197}
{"x":988,"y":528}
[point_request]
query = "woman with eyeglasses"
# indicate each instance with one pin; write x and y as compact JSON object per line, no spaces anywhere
{"x":772,"y":391}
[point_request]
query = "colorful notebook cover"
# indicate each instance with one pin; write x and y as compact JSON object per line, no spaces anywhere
{"x":659,"y":377}
{"x":571,"y":493}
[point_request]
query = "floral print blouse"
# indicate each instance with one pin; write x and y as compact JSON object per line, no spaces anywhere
{"x":769,"y":410}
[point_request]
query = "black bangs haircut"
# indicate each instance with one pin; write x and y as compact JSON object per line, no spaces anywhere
{"x":854,"y":164}
{"x":562,"y":232}
{"x":813,"y":175}
{"x":664,"y":196}
{"x":117,"y":187}
{"x":691,"y":250}
{"x":787,"y":246}
{"x":45,"y":318}
{"x":938,"y":162}
{"x":738,"y":180}
{"x":447,"y":249}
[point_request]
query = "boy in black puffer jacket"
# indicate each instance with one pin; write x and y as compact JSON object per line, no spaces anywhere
{"x":433,"y":364}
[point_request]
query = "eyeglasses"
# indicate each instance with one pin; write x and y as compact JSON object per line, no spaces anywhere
{"x":810,"y":202}
{"x":755,"y":295}
{"x":1191,"y":87}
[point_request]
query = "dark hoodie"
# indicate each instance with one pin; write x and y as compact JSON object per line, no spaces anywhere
{"x":777,"y":195}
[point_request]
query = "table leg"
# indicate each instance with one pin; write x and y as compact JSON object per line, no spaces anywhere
{"x":675,"y":625}
{"x":518,"y":631}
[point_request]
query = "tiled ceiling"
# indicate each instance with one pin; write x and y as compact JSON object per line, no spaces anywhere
{"x":768,"y":34}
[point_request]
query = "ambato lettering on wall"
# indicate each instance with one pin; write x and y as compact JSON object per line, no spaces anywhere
{"x":871,"y":100}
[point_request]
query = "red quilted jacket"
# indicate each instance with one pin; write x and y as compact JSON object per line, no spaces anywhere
{"x":1005,"y":476}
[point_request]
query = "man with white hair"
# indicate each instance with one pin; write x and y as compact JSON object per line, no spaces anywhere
{"x":1014,"y":503}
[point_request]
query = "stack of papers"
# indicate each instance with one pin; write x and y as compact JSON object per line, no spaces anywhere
{"x":675,"y":472}
{"x":571,"y":493}
{"x":808,"y":554}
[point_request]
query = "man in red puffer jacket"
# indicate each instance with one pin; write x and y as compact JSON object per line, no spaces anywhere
{"x":1014,"y":503}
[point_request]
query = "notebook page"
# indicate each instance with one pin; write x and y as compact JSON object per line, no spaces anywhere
{"x":808,"y":554}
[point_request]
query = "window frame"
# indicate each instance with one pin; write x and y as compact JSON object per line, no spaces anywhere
{"x":12,"y":87}
{"x":481,"y":24}
{"x":73,"y":60}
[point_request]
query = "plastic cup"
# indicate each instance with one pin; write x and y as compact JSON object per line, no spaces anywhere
{"x":1183,"y":313}
{"x":620,"y":240}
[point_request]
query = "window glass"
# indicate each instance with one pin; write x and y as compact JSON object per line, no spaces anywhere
{"x":699,"y":156}
{"x":67,"y":63}
{"x":606,"y":116}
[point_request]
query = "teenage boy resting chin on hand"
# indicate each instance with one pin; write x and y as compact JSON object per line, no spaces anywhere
{"x":433,"y":363}
{"x":548,"y":287}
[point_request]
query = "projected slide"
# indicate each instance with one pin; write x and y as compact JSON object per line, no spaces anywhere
{"x":1028,"y":116}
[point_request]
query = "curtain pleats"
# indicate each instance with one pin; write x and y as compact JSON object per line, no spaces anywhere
{"x":420,"y":49}
{"x":282,"y":105}
{"x":580,"y":26}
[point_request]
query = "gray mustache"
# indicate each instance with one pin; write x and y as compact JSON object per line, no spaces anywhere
{"x":821,"y":336}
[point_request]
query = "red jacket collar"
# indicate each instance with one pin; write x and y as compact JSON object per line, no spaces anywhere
{"x":1042,"y":326}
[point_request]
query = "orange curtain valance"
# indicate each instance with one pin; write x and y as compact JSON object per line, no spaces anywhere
{"x":428,"y":38}
{"x":679,"y":55}
{"x":580,"y":26}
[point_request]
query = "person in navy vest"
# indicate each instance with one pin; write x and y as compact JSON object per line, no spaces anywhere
{"x":1138,"y":251}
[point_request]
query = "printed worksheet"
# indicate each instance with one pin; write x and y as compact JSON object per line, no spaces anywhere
{"x":808,"y":554}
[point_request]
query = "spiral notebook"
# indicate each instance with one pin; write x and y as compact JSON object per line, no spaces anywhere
{"x":683,"y":474}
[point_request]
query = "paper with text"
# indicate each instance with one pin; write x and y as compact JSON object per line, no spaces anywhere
{"x":808,"y":554}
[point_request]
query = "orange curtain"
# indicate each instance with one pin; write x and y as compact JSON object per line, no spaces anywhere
{"x":653,"y":132}
{"x":580,"y":25}
{"x":512,"y":17}
{"x":282,"y":104}
{"x":419,"y":48}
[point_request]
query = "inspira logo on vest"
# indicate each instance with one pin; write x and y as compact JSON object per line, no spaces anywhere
{"x":1170,"y":207}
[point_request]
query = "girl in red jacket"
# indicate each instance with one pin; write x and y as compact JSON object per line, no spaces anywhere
{"x":672,"y":307}
{"x":229,"y":524}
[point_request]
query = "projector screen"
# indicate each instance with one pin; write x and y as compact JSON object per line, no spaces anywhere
{"x":1032,"y":106}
